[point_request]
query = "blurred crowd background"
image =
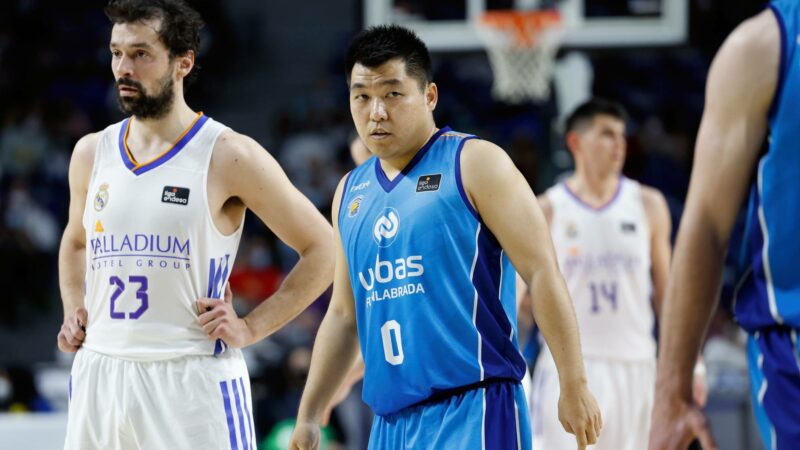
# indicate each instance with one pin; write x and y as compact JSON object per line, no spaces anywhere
{"x":273,"y":70}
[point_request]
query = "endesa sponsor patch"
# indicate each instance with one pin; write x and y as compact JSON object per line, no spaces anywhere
{"x":175,"y":195}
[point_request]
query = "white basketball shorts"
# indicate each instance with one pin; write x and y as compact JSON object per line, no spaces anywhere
{"x":192,"y":402}
{"x":624,"y":392}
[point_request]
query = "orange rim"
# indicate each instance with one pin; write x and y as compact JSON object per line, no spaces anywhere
{"x":525,"y":26}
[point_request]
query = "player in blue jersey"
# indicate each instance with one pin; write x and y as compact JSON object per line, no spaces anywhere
{"x":427,"y":230}
{"x":753,"y":90}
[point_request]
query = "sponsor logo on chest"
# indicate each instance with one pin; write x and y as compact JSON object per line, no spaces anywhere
{"x":392,"y":278}
{"x":175,"y":195}
{"x":385,"y":229}
{"x":429,"y":183}
{"x":359,"y":187}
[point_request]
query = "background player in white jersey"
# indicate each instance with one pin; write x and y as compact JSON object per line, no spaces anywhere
{"x":156,"y":211}
{"x":425,"y":375}
{"x":611,"y":237}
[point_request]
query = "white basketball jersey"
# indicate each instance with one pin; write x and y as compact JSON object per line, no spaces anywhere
{"x":152,"y":249}
{"x":604,"y":255}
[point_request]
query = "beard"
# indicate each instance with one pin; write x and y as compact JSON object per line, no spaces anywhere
{"x":143,"y":105}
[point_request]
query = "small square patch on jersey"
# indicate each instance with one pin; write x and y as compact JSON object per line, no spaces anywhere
{"x":176,"y":195}
{"x":628,"y":227}
{"x":429,"y":183}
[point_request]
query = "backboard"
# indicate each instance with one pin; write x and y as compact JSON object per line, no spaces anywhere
{"x":447,"y":25}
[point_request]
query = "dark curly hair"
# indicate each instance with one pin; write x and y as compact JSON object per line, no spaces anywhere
{"x":180,"y":24}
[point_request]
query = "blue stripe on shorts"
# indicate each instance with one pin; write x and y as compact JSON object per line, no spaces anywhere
{"x":775,"y":385}
{"x":223,"y":385}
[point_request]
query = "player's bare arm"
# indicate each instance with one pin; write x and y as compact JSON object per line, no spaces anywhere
{"x":732,"y":129}
{"x":335,"y":349}
{"x":243,"y":174}
{"x":72,"y":252}
{"x":655,"y":207}
{"x":547,"y":208}
{"x":508,"y":207}
{"x":658,"y":217}
{"x":522,"y":287}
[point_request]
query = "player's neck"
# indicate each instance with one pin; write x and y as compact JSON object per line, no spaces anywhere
{"x":149,"y":137}
{"x":594,"y":190}
{"x":394,"y":165}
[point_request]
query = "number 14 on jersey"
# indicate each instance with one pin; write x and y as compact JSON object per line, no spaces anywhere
{"x":604,"y":296}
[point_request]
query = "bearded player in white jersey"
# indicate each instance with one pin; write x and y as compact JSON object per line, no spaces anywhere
{"x":611,"y":236}
{"x":157,"y":204}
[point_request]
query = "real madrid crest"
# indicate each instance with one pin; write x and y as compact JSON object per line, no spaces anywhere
{"x":352,"y":210}
{"x":101,"y":198}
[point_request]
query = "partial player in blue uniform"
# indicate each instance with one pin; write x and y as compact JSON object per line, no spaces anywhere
{"x":753,"y":91}
{"x":427,"y":231}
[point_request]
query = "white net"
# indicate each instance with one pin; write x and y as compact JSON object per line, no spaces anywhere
{"x":522,"y":68}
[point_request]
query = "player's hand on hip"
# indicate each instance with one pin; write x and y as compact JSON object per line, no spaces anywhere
{"x":676,"y":423}
{"x":305,"y":436}
{"x":73,"y":331}
{"x":579,"y":414}
{"x":220,"y":321}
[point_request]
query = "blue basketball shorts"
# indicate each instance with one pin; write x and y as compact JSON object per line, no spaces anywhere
{"x":774,"y":359}
{"x":493,"y":417}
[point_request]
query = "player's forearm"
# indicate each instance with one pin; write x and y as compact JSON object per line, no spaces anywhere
{"x":658,"y":306}
{"x":555,"y":317}
{"x":71,"y":273}
{"x":659,"y":290}
{"x":309,"y":278}
{"x":335,"y":350}
{"x":689,"y":303}
{"x":659,"y":274}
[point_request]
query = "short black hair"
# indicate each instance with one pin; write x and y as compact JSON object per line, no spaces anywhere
{"x":379,"y":44}
{"x":180,"y":24}
{"x":587,"y":111}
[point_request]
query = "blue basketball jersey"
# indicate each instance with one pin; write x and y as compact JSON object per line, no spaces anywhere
{"x":434,"y":291}
{"x":769,"y":293}
{"x":767,"y":303}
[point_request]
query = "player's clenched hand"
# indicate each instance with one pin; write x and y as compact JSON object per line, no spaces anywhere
{"x":73,"y":331}
{"x":220,"y":321}
{"x":579,"y":414}
{"x":305,"y":436}
{"x":676,"y":423}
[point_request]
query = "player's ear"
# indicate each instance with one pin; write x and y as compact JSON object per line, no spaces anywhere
{"x":185,"y":63}
{"x":573,"y":142}
{"x":431,"y":96}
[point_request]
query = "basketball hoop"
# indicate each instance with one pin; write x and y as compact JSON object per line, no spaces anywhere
{"x":522,"y":46}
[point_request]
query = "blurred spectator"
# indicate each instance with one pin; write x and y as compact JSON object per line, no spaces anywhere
{"x":23,"y":144}
{"x":18,"y":393}
{"x":33,"y":225}
{"x":255,"y":276}
{"x":309,"y":159}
